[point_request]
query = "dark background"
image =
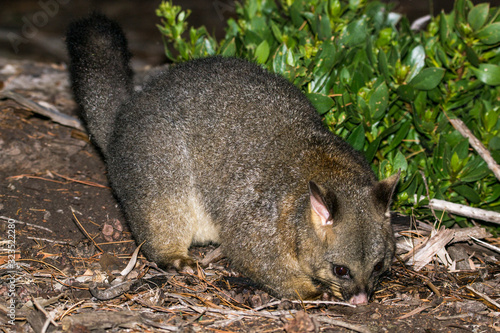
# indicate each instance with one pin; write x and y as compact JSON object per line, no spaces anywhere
{"x":44,"y":23}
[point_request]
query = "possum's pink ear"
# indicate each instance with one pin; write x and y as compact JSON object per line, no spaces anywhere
{"x":321,"y":216}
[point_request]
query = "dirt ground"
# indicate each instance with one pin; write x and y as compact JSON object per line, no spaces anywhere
{"x":70,"y":234}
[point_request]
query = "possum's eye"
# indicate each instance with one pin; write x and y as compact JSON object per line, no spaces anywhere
{"x":341,"y":271}
{"x":378,"y":267}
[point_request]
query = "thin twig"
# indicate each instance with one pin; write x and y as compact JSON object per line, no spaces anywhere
{"x":201,"y":309}
{"x":10,"y":220}
{"x":225,"y":322}
{"x":428,"y":193}
{"x":85,"y":231}
{"x":161,"y":326}
{"x":489,"y":246}
{"x":354,"y":327}
{"x":460,"y":316}
{"x":17,"y":177}
{"x":46,"y":264}
{"x":246,"y":313}
{"x":485,"y":297}
{"x":49,"y":319}
{"x":268,"y":305}
{"x":433,"y":288}
{"x":72,"y":180}
{"x":84,"y":182}
{"x":47,"y":240}
{"x":415,"y":311}
{"x":460,"y":126}
{"x":70,"y":309}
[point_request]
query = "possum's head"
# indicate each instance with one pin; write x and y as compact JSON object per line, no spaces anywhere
{"x":352,"y":242}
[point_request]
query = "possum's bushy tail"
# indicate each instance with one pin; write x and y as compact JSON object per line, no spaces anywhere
{"x":100,"y":73}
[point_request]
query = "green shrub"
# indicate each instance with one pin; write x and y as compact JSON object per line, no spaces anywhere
{"x":386,"y":89}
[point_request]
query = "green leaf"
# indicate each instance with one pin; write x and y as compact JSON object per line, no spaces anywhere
{"x":472,"y":56}
{"x":295,"y":14}
{"x":468,"y":193}
{"x":420,"y":102}
{"x":399,"y":162}
{"x":462,"y":149}
{"x":354,"y":4}
{"x":406,"y":92}
{"x":493,"y":197}
{"x":428,"y":78}
{"x":444,"y":28}
{"x":355,"y":33}
{"x":321,"y":102}
{"x":494,"y":143}
{"x":378,"y":101}
{"x":369,"y":52}
{"x":345,"y":76}
{"x":228,"y":48}
{"x":385,"y":37}
{"x":488,"y":74}
{"x":372,"y":149}
{"x":491,"y":119}
{"x":400,"y":135}
{"x":335,"y":8}
{"x":276,"y":32}
{"x":324,"y":28}
{"x":279,"y":61}
{"x":326,"y":59}
{"x":382,"y":66}
{"x":416,"y":61}
{"x":455,"y":163}
{"x":262,"y":52}
{"x":490,"y":34}
{"x":478,"y":15}
{"x":475,"y":170}
{"x":357,"y":138}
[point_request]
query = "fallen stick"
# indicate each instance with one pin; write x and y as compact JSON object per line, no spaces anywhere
{"x":9,"y":220}
{"x":44,"y":109}
{"x":463,"y":210}
{"x":486,"y":245}
{"x":84,"y":231}
{"x":84,"y":182}
{"x":48,"y":240}
{"x":485,"y":297}
{"x":274,"y":303}
{"x":335,"y":322}
{"x":48,"y":317}
{"x":464,"y":234}
{"x":460,"y":126}
{"x":229,"y":312}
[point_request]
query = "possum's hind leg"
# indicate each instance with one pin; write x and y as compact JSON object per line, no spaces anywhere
{"x":170,"y":225}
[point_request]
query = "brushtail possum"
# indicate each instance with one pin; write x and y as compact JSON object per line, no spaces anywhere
{"x":219,"y":150}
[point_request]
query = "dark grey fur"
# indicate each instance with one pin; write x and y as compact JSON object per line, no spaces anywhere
{"x":219,"y":150}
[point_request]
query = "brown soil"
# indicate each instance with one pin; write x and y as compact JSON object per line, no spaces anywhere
{"x":69,"y":231}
